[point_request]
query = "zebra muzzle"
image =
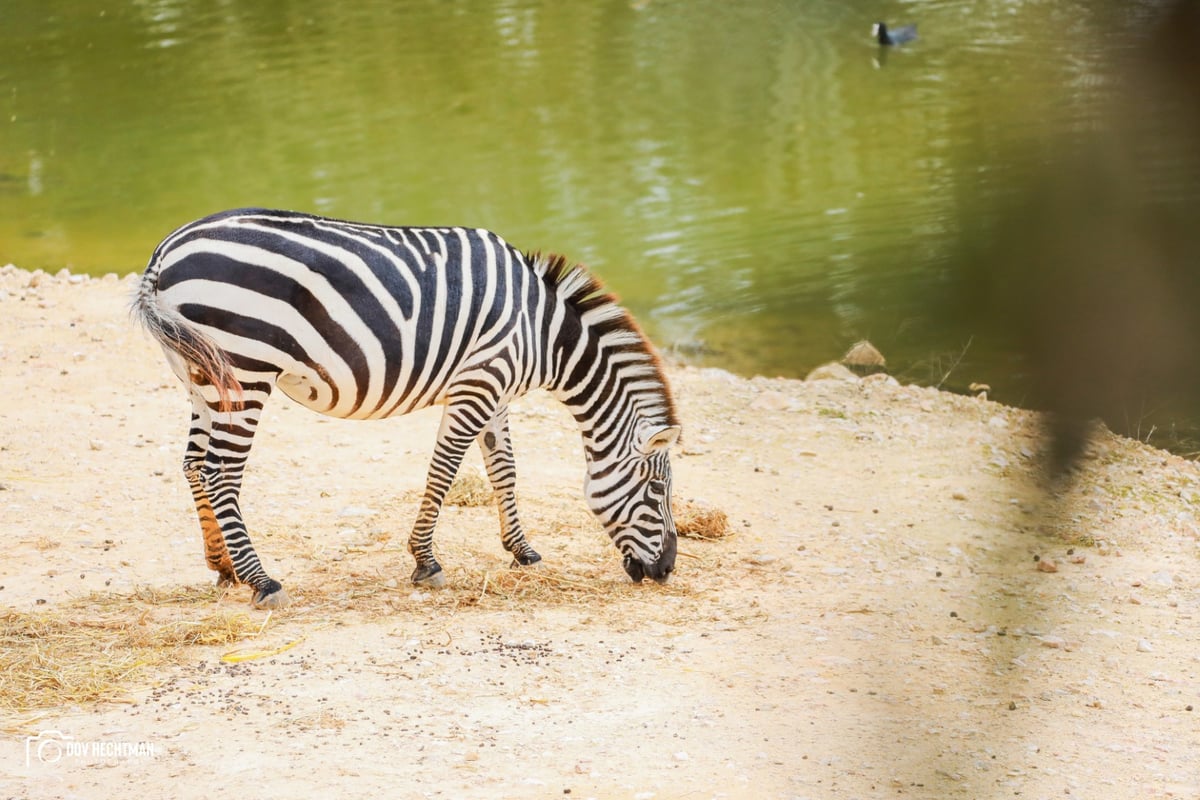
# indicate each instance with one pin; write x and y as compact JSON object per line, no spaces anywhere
{"x":659,"y":571}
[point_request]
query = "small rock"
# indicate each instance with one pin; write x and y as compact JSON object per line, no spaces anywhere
{"x":770,"y":401}
{"x":881,"y":377}
{"x":95,"y":444}
{"x":761,"y":559}
{"x":355,"y":511}
{"x":1144,"y":646}
{"x":681,"y":756}
{"x":1161,"y":578}
{"x":832,"y":371}
{"x":958,"y":494}
{"x":1078,"y":558}
{"x":1054,"y":642}
{"x":864,"y":355}
{"x":1047,"y":565}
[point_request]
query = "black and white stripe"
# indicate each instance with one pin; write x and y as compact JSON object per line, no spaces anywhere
{"x":366,"y":321}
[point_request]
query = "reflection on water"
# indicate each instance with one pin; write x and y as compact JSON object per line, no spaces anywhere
{"x":758,"y":180}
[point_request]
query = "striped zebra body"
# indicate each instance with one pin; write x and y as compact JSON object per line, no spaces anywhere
{"x":364,"y":322}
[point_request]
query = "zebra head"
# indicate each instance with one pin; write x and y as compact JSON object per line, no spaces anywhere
{"x":629,"y":490}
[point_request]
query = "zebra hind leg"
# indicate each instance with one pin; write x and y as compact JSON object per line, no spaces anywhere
{"x":216,"y":555}
{"x":496,"y":446}
{"x":214,"y":463}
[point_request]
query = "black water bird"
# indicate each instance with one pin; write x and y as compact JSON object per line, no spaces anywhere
{"x":898,"y":36}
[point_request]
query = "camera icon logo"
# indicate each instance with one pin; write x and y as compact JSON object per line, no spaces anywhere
{"x":45,"y":748}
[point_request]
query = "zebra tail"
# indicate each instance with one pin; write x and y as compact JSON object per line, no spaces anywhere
{"x":207,"y":362}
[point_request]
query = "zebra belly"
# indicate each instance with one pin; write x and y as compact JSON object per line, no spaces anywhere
{"x":314,"y":395}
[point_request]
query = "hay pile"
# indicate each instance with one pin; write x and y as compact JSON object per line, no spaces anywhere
{"x":91,"y":649}
{"x":700,"y":521}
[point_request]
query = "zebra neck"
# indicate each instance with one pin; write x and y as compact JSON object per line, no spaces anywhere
{"x":611,"y":390}
{"x":598,"y":362}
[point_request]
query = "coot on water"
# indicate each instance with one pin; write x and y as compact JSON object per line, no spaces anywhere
{"x":900,"y":35}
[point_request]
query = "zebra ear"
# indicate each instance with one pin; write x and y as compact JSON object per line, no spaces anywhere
{"x":658,"y":439}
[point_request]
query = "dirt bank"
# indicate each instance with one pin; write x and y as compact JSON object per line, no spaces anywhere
{"x":877,"y":626}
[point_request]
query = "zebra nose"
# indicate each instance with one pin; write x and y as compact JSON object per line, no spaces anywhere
{"x":659,"y":571}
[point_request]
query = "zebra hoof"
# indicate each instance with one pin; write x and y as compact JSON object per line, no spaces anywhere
{"x":429,"y":577}
{"x":225,"y":581}
{"x":530,"y":559}
{"x":270,"y":598}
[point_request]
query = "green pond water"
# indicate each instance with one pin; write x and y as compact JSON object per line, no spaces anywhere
{"x":759,"y":181}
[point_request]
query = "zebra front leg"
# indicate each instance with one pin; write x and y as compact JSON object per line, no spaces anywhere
{"x":214,"y":464}
{"x":496,"y":446}
{"x":454,"y":437}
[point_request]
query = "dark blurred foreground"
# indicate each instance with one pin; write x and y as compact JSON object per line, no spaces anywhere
{"x":1105,"y":247}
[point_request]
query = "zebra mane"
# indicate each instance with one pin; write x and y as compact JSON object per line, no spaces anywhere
{"x":606,"y":318}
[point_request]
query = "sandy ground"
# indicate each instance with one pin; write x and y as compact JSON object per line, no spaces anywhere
{"x":877,"y":626}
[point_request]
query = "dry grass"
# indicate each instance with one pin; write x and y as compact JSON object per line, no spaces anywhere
{"x":92,"y":649}
{"x":543,"y":586}
{"x":698,"y":521}
{"x":470,"y":488}
{"x":100,"y":647}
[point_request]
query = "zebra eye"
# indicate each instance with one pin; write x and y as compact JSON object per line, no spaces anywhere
{"x":657,"y":488}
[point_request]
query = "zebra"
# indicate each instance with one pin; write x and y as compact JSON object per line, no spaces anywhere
{"x":362,"y":321}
